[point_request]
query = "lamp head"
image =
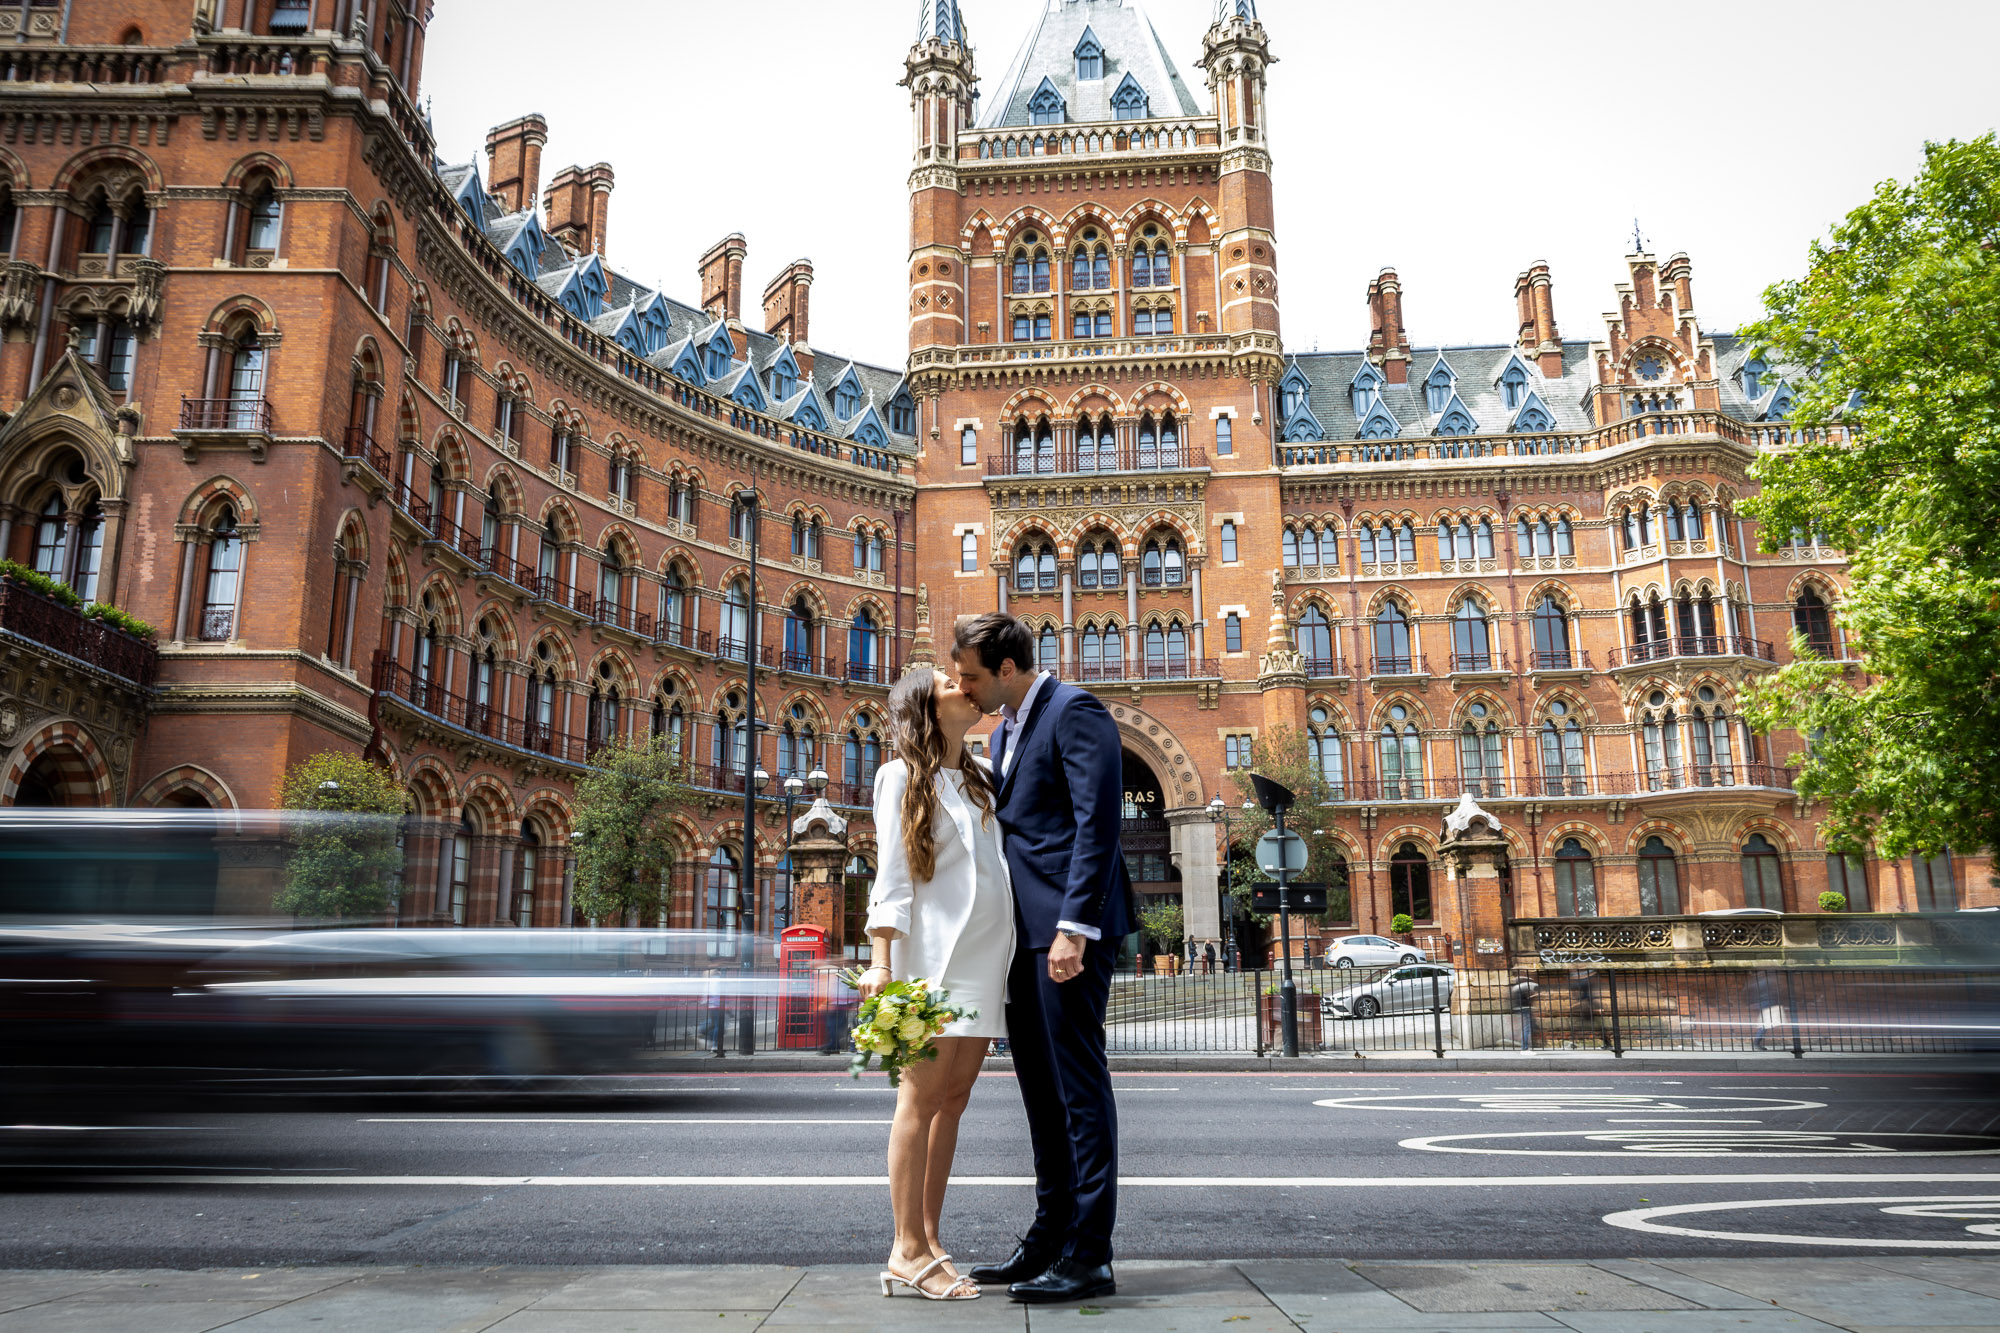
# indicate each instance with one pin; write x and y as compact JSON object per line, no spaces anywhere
{"x":794,"y":785}
{"x":1215,"y":808}
{"x":761,"y":778}
{"x":817,"y":780}
{"x":1273,"y":796}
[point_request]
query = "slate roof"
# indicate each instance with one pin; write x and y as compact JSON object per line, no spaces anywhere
{"x":1478,"y":371}
{"x":1131,"y":45}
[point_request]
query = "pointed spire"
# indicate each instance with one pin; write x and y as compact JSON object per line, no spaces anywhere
{"x":1282,"y":664}
{"x":941,"y":20}
{"x":923,"y":652}
{"x":1225,"y":10}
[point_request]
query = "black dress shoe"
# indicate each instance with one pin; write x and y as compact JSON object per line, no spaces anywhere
{"x":1066,"y":1280}
{"x":1027,"y":1262}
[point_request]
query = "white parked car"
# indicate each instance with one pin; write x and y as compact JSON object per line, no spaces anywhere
{"x":1372,"y":951}
{"x":1414,"y":989}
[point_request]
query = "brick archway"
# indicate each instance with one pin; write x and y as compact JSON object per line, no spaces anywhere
{"x":62,"y":766}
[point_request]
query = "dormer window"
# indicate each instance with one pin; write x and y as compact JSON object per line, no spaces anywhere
{"x":902,"y":415}
{"x":1129,"y":102}
{"x":1437,"y":388}
{"x":715,"y":362}
{"x":847,"y":399}
{"x":1089,"y":57}
{"x":1046,"y":106}
{"x":1754,"y":371}
{"x":1361,"y":392}
{"x":1514,"y":386}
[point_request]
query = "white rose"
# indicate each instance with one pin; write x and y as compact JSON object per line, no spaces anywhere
{"x":913,"y":1030}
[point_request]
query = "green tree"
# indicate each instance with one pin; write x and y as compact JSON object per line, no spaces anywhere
{"x":1285,"y":757}
{"x":625,"y":845}
{"x":1896,"y":325}
{"x":345,"y":861}
{"x":1165,"y":924}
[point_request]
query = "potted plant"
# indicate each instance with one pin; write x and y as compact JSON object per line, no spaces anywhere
{"x":1832,"y":902}
{"x":1400,"y":925}
{"x":1271,"y":1017}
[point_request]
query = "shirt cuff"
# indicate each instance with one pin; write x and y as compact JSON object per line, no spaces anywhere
{"x":1072,"y":928}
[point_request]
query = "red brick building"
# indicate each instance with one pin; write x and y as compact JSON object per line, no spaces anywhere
{"x":396,"y":459}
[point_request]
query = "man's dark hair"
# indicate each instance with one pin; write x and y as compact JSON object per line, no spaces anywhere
{"x":996,"y":637}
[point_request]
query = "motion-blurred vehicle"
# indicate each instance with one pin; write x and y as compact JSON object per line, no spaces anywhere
{"x":1371,"y":951}
{"x":1741,"y":911}
{"x":1416,"y":988}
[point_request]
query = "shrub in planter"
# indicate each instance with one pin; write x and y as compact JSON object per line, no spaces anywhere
{"x":117,"y":619}
{"x":35,"y":581}
{"x":1401,"y":924}
{"x":1832,"y":902}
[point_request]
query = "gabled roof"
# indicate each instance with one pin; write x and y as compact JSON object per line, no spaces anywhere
{"x":1087,"y":44}
{"x":847,"y":377}
{"x":1377,"y":420}
{"x":805,"y":408}
{"x":1131,"y":46}
{"x":1455,"y":418}
{"x":867,"y":428}
{"x":1533,"y":414}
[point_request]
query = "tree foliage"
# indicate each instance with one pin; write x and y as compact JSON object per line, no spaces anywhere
{"x":1897,"y":324}
{"x":1285,"y":757}
{"x":1165,"y":924}
{"x":345,"y":860}
{"x":625,"y":844}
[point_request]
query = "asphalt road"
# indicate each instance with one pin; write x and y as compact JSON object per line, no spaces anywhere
{"x":742,"y":1167}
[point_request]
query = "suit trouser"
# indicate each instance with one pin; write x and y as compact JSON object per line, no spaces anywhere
{"x":1056,"y":1035}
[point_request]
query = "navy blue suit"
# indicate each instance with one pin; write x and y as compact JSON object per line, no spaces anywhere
{"x":1061,"y":802}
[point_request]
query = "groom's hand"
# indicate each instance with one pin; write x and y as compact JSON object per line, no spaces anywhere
{"x":1065,"y":957}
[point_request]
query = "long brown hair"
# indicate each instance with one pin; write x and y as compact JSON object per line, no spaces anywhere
{"x":919,"y":742}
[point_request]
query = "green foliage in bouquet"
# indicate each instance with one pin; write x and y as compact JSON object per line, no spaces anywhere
{"x":899,"y":1024}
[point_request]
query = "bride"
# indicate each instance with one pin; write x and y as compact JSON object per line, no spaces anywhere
{"x":941,"y":909}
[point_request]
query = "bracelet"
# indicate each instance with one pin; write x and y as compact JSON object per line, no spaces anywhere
{"x":874,"y":967}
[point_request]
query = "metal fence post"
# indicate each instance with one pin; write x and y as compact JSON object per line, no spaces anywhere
{"x":1792,"y":1016}
{"x":1617,"y":1035}
{"x":1437,"y":1018}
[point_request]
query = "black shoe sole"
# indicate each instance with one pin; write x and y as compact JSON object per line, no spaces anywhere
{"x":999,"y":1276}
{"x":1062,"y":1298}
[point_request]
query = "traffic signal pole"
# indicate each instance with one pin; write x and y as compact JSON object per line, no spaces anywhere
{"x":1288,"y":995}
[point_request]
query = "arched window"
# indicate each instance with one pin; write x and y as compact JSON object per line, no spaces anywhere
{"x":1762,"y":886}
{"x":1410,"y":883}
{"x":1662,"y":733}
{"x":1323,"y":750}
{"x":1232,"y":633}
{"x":1481,"y":766}
{"x":1931,"y":877}
{"x":222,"y":585}
{"x":968,"y":447}
{"x":1576,"y":880}
{"x":1659,"y":879}
{"x":799,"y":635}
{"x":863,"y":647}
{"x":527,"y":871}
{"x":541,"y":699}
{"x":246,"y":383}
{"x":797,"y":750}
{"x":1226,"y":539}
{"x":1314,"y":638}
{"x":1392,"y":642}
{"x":264,"y":217}
{"x":601,"y":717}
{"x":1514,"y":387}
{"x":734,"y":632}
{"x":1562,"y":753}
{"x":1092,"y":652}
{"x":1365,"y":538}
{"x":1309,"y":547}
{"x":1406,"y":541}
{"x":861,"y":752}
{"x":89,"y":552}
{"x":485,"y":668}
{"x":1164,"y":553}
{"x":1709,"y":730}
{"x":1694,"y":622}
{"x":99,"y":237}
{"x":1551,"y":636}
{"x":1149,"y":443}
{"x":1565,"y":538}
{"x":610,"y":585}
{"x":1177,"y":647}
{"x":1815,"y":626}
{"x":1650,"y":640}
{"x":721,"y":897}
{"x":1035,"y":566}
{"x":1471,"y":641}
{"x":1401,"y":756}
{"x":461,"y":868}
{"x":1048,"y":653}
{"x":1288,"y":546}
{"x":49,"y":540}
{"x":730,"y":748}
{"x":1847,"y":876}
{"x":673,"y":607}
{"x":1156,"y":650}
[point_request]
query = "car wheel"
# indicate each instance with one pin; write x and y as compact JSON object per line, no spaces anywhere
{"x":1367,"y":1007}
{"x":1343,"y":961}
{"x":1407,"y":958}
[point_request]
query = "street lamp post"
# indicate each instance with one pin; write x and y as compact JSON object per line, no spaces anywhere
{"x":781,"y":911}
{"x":746,"y":937}
{"x":1219,"y":813}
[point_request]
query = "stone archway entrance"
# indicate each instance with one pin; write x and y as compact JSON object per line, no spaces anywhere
{"x":1151,"y":748}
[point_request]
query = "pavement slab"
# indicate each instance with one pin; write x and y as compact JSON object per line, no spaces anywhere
{"x":1766,"y":1320}
{"x":1848,"y":1292}
{"x":711,"y":1289}
{"x":72,"y":1315}
{"x":1455,"y":1288}
{"x":1967,"y":1274}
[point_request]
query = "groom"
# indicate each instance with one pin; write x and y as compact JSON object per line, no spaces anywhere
{"x":1059,"y":766}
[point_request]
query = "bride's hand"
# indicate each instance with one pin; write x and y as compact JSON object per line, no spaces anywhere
{"x":872,"y":982}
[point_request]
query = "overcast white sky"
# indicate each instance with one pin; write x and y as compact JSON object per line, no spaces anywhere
{"x":1457,"y":141}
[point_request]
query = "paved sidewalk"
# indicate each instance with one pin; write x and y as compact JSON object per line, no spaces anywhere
{"x":1503,"y":1060}
{"x":1859,"y":1294}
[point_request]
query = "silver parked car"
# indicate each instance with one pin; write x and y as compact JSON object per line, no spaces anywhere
{"x":1371,"y":951}
{"x":1406,"y":990}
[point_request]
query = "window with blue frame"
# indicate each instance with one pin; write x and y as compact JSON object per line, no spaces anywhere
{"x":783,"y":382}
{"x":846,"y":399}
{"x":715,"y":361}
{"x":1046,"y":106}
{"x":1437,"y":389}
{"x":1754,"y":371}
{"x":1224,"y":443}
{"x":1129,"y":102}
{"x":902,"y":415}
{"x":1089,"y":57}
{"x":1514,"y":386}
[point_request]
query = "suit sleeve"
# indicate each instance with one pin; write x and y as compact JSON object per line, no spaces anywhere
{"x":889,"y":900}
{"x":1094,"y":767}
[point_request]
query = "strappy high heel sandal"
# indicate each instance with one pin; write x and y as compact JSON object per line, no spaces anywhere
{"x":951,"y":1293}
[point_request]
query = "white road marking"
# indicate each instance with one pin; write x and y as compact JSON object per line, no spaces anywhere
{"x":1122,"y":1091}
{"x":1678,"y":1120}
{"x":1634,"y":1143}
{"x":591,"y":1120}
{"x":1136,"y":1182}
{"x":1562,"y":1103}
{"x":1976,"y":1206}
{"x":1771,"y":1087}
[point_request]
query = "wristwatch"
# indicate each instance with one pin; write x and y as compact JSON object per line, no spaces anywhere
{"x":1071,"y":934}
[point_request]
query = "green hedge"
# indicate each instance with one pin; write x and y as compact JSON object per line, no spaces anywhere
{"x":55,"y":591}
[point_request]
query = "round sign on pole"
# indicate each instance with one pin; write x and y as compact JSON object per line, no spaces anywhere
{"x":1281,"y":852}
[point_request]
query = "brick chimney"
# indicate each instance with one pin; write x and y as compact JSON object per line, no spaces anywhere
{"x":722,"y":279}
{"x":786,"y":301}
{"x":514,"y":160}
{"x":578,"y":204}
{"x":1679,"y":275}
{"x":1388,"y":342}
{"x":1534,"y":294}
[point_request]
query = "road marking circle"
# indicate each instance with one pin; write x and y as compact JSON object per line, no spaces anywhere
{"x":1978,"y":1206}
{"x":1566,"y":1103}
{"x":1667,"y":1141}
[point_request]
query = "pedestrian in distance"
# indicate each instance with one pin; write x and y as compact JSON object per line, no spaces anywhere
{"x":1060,"y":765}
{"x":1760,"y":993}
{"x":1523,"y":993}
{"x":1583,"y":1000}
{"x":940,"y":910}
{"x":711,"y":1021}
{"x":1208,"y":957}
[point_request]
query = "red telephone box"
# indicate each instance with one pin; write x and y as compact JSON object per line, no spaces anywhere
{"x":801,"y":979}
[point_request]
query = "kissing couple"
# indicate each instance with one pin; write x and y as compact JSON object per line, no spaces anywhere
{"x":1002,"y":882}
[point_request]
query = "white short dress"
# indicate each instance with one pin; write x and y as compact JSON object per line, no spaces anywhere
{"x":957,"y":927}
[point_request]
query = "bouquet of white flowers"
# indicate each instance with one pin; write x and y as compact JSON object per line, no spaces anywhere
{"x":898,"y":1025}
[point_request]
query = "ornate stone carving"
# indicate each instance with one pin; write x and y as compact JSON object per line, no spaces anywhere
{"x":149,"y":277}
{"x":17,"y":293}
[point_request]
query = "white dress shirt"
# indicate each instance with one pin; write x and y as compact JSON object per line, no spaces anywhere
{"x":1012,"y":717}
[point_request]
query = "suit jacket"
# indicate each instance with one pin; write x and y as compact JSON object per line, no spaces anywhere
{"x":1061,"y":803}
{"x":929,"y":918}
